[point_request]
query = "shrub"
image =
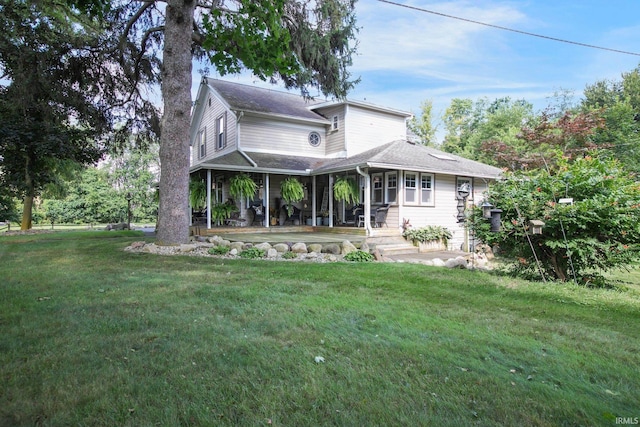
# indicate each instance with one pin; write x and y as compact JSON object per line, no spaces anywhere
{"x":598,"y":232}
{"x":253,"y":253}
{"x":359,"y":256}
{"x":219,"y":250}
{"x":289,"y":255}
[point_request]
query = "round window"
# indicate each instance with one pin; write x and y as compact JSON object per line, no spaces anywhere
{"x":314,"y":139}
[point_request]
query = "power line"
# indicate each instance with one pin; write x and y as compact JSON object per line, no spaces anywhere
{"x":509,"y":29}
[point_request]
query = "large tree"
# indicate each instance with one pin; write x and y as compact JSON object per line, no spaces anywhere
{"x":49,"y":109}
{"x":299,"y":43}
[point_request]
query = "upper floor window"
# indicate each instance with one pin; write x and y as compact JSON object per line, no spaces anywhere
{"x":221,"y":132}
{"x":335,"y":124}
{"x":202,"y":143}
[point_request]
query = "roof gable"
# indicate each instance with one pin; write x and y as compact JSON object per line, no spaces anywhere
{"x":251,"y":99}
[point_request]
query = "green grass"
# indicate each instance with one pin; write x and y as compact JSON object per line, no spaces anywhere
{"x":95,"y":336}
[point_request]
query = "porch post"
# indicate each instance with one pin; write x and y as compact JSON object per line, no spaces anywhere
{"x":330,"y":200}
{"x":313,"y":200}
{"x":266,"y":200}
{"x":208,"y":198}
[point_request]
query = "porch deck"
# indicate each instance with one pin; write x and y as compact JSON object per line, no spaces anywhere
{"x":278,"y":234}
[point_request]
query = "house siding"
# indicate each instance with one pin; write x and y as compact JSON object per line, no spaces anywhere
{"x":266,"y":135}
{"x":208,"y":122}
{"x":368,"y":128}
{"x":335,"y":138}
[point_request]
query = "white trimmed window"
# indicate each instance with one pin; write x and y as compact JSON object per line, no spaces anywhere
{"x":335,"y":124}
{"x":391,"y":190}
{"x":377,"y":186}
{"x":202,"y":143}
{"x":426,"y":189}
{"x":221,"y":132}
{"x":411,"y":188}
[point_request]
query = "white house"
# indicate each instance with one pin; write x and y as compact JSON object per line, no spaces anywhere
{"x":273,"y":135}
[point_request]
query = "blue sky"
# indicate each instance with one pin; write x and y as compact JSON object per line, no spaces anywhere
{"x":406,"y":56}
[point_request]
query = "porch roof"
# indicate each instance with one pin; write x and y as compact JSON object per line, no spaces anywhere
{"x":397,"y":155}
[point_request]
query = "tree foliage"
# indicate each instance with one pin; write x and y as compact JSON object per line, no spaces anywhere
{"x":50,"y":109}
{"x":470,"y":125}
{"x":423,"y":128}
{"x":598,"y":232}
{"x":618,"y":103}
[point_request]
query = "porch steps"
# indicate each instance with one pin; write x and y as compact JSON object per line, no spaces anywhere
{"x":390,"y":245}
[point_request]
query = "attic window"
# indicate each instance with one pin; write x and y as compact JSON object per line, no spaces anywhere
{"x":209,"y":102}
{"x":314,"y":139}
{"x":442,"y":156}
{"x":335,"y":124}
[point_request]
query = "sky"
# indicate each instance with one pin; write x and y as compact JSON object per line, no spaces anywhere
{"x":406,"y":56}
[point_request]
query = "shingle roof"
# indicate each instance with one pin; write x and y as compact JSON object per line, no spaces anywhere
{"x":394,"y":155}
{"x":258,"y":100}
{"x":402,"y":154}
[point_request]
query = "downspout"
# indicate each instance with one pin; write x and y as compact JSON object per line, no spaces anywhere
{"x":367,"y":200}
{"x":239,"y":148}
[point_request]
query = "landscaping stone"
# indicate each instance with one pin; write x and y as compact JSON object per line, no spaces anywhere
{"x":437,"y":262}
{"x":299,"y":248}
{"x":187,"y":248}
{"x":281,"y":247}
{"x":137,"y":245}
{"x":458,"y":262}
{"x":233,"y":252}
{"x":364,"y":247}
{"x":331,"y":248}
{"x":238,"y":246}
{"x":272,"y":253}
{"x":263,"y":246}
{"x":314,"y":247}
{"x":347,"y":247}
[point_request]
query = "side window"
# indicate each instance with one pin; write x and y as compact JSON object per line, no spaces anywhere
{"x":202,"y":143}
{"x":426,"y":189}
{"x":391,"y":195}
{"x":377,"y":188}
{"x":221,"y":132}
{"x":410,"y":188}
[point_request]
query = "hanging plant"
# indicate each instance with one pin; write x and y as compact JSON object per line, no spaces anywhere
{"x":291,"y":191}
{"x":346,"y":189}
{"x":197,"y":193}
{"x":241,"y":186}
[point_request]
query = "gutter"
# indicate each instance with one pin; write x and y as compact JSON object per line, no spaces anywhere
{"x":367,"y":200}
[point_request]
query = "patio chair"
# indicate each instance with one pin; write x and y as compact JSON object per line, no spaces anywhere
{"x":284,"y":216}
{"x":258,"y":212}
{"x":380,"y":216}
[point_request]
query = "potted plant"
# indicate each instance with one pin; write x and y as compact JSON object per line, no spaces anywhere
{"x":197,"y":193}
{"x":429,"y":238}
{"x":346,"y":189}
{"x":291,"y":191}
{"x":221,"y":212}
{"x":242,"y":186}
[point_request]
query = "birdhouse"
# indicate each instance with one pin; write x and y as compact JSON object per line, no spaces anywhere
{"x":535,"y":225}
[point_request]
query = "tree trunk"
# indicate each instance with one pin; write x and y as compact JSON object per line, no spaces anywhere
{"x":26,"y":213}
{"x":173,"y":220}
{"x":27,"y":203}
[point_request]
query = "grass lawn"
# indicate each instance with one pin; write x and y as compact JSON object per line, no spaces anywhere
{"x":94,"y":336}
